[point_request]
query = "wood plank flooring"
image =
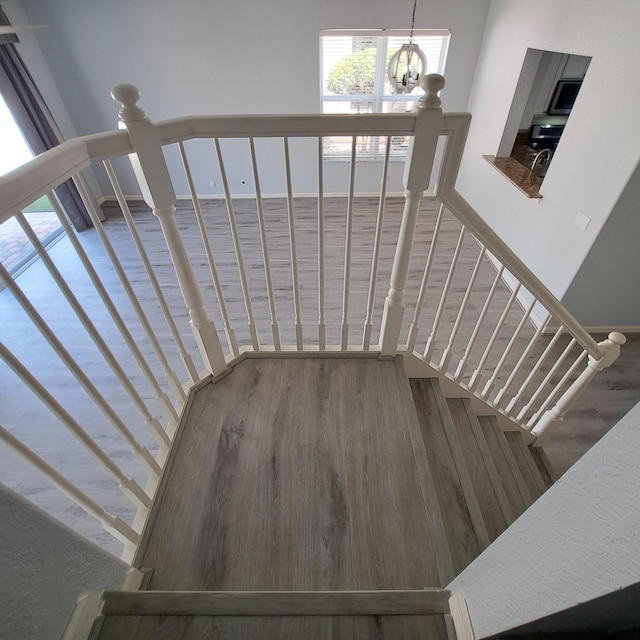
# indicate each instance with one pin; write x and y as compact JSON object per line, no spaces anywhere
{"x":612,"y":393}
{"x":295,"y":474}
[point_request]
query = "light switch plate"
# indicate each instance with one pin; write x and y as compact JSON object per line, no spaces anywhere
{"x":582,"y":221}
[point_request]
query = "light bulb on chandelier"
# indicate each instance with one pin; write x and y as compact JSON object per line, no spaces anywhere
{"x":408,"y":64}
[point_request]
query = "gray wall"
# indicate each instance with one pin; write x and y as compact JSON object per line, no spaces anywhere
{"x":605,"y":291}
{"x":44,"y":568}
{"x":578,"y":542}
{"x":214,"y":57}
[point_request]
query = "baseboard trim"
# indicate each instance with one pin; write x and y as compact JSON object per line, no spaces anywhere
{"x":267,"y":196}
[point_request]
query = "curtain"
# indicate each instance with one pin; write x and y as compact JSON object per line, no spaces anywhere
{"x":34,"y":119}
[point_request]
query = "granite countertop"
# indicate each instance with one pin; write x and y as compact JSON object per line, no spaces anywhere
{"x":514,"y":169}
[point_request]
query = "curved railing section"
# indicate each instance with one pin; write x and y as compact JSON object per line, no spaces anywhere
{"x":279,"y":272}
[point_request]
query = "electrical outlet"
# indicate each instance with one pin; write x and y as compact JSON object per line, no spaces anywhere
{"x":582,"y":221}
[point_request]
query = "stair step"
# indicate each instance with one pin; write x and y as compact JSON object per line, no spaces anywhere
{"x":457,"y":522}
{"x":504,"y":463}
{"x":457,"y":455}
{"x":276,"y":603}
{"x":489,"y":463}
{"x":527,"y":466}
{"x":494,"y":520}
{"x":544,"y":466}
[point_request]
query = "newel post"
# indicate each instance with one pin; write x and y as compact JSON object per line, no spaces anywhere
{"x":157,"y":189}
{"x":417,"y":173}
{"x":552,"y":418}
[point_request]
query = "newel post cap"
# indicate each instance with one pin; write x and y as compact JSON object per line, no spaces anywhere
{"x":128,"y":95}
{"x":431,"y":84}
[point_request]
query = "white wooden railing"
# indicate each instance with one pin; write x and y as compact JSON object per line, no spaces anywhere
{"x":493,"y":341}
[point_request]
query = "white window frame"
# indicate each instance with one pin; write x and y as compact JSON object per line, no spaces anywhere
{"x":380,"y":96}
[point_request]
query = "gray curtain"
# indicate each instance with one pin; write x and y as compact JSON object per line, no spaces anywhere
{"x":34,"y":119}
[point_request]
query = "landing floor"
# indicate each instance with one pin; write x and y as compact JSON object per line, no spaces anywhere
{"x":297,"y":474}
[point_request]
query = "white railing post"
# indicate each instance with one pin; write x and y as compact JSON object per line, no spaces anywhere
{"x":553,"y":417}
{"x":157,"y":189}
{"x":417,"y":173}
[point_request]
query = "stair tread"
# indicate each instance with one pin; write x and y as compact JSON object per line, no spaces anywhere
{"x":457,"y":454}
{"x":456,"y":518}
{"x":527,"y":467}
{"x":489,"y":506}
{"x":493,"y":434}
{"x":490,"y":466}
{"x":146,"y":627}
{"x":283,"y":603}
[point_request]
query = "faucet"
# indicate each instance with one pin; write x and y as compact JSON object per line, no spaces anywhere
{"x":544,"y":157}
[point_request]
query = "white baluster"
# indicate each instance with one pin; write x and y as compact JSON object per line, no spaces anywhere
{"x":238,"y":251}
{"x":556,"y":390}
{"x":505,"y":354}
{"x":555,"y":369}
{"x":294,"y":251}
{"x":155,"y":183}
{"x":275,"y":328}
{"x":155,"y":285}
{"x":114,"y":525}
{"x":533,"y":372}
{"x":373,"y":279}
{"x":347,"y":250}
{"x":446,"y":354}
{"x":552,"y":418}
{"x":415,"y":327}
{"x":204,"y":234}
{"x":477,"y":374}
{"x":443,"y":298}
{"x":417,"y":173}
{"x":501,"y":395}
{"x":321,"y":323}
{"x":128,"y":485}
{"x":156,"y":430}
{"x":141,"y":453}
{"x":464,"y":361}
{"x":169,"y":374}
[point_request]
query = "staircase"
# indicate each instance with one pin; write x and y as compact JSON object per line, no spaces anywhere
{"x":394,"y":499}
{"x":329,"y":496}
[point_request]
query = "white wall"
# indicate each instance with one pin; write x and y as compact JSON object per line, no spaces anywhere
{"x":600,"y":147}
{"x":578,"y":542}
{"x":44,"y":568}
{"x":207,"y":56}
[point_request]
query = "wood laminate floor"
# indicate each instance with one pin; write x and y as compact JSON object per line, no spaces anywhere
{"x":612,"y":393}
{"x":297,"y":474}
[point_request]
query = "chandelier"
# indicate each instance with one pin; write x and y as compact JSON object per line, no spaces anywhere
{"x":408,"y":64}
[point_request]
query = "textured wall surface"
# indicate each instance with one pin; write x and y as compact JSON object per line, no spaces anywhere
{"x":579,"y":541}
{"x":44,"y":568}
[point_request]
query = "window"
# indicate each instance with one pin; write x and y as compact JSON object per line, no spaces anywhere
{"x":353,"y":76}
